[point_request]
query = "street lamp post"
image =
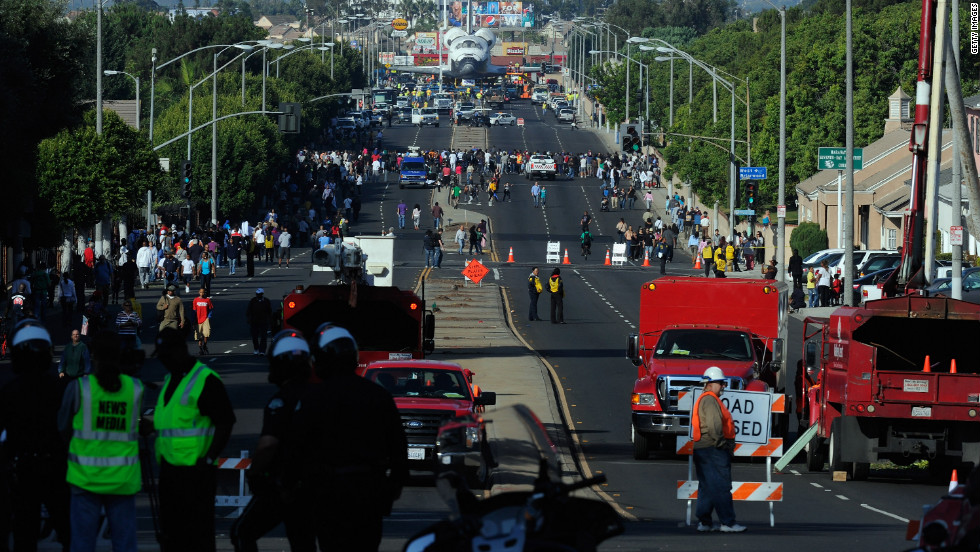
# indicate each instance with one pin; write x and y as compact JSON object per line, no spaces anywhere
{"x":214,"y":131}
{"x":137,"y":80}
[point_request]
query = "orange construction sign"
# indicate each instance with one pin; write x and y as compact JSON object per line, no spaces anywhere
{"x":475,"y":271}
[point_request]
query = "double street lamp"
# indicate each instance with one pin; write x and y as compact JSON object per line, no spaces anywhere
{"x":643,"y":67}
{"x":137,"y":80}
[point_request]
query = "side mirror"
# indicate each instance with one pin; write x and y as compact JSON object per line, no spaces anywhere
{"x":777,"y":355}
{"x":486,"y":398}
{"x":633,"y":348}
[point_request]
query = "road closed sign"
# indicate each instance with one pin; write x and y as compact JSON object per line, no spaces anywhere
{"x":751,"y":413}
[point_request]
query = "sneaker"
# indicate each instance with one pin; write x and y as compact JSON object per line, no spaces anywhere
{"x":733,"y":528}
{"x":256,"y":352}
{"x":702,"y":528}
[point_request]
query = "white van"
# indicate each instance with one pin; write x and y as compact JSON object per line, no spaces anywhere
{"x":425,"y":116}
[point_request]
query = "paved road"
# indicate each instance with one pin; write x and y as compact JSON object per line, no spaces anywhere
{"x":587,"y":358}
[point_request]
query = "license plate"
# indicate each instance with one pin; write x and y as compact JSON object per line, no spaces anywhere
{"x":416,"y":454}
{"x":915,"y":386}
{"x":922,"y":411}
{"x":399,"y":356}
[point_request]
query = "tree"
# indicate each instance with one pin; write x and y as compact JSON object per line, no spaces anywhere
{"x":86,"y":177}
{"x":808,"y":238}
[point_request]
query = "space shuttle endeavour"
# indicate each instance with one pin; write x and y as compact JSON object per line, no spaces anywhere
{"x":469,"y":56}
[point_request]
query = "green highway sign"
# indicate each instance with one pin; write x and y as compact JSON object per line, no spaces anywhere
{"x":836,"y":158}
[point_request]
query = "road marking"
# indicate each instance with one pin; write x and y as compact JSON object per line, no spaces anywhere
{"x":496,"y":274}
{"x":842,"y":497}
{"x":817,"y":485}
{"x":884,"y":513}
{"x":264,"y":271}
{"x":794,"y":472}
{"x":227,"y":352}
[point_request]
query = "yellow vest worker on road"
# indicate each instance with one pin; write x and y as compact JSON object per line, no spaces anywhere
{"x":103,"y":455}
{"x":193,"y":421}
{"x":713,"y":434}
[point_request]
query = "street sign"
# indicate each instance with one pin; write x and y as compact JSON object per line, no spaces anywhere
{"x":836,"y":158}
{"x":752,"y":173}
{"x":781,"y":211}
{"x":751,"y":412}
{"x":475,"y":271}
{"x":520,"y":121}
{"x":744,"y":212}
{"x":955,"y":235}
{"x":399,"y":34}
{"x":399,"y":24}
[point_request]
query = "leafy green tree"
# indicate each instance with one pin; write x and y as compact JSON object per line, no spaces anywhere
{"x":808,"y":238}
{"x":86,"y":177}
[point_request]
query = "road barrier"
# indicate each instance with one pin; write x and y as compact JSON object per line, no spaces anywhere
{"x":769,"y":447}
{"x":238,"y":501}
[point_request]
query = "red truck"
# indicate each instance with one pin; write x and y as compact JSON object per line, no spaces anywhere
{"x":882,"y":384}
{"x":388,"y":323}
{"x":430,"y":395}
{"x":690,"y":324}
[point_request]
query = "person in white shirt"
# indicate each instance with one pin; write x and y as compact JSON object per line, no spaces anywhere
{"x":145,"y":260}
{"x":823,"y":283}
{"x":187,"y":273}
{"x":285,"y":240}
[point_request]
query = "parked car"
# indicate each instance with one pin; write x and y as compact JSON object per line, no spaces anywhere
{"x":868,"y":288}
{"x":347,"y":123}
{"x":501,"y":118}
{"x":880,"y":262}
{"x":566,"y":115}
{"x":970,"y":288}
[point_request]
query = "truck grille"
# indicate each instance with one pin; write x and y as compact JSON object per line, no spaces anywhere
{"x":422,"y":426}
{"x":668,"y":388}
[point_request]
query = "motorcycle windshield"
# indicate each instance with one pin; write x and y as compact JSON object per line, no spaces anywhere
{"x":520,"y":446}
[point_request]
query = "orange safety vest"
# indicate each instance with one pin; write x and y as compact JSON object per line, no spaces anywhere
{"x":726,"y":419}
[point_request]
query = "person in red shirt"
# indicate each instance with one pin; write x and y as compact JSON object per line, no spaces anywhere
{"x":89,"y":255}
{"x":202,"y":307}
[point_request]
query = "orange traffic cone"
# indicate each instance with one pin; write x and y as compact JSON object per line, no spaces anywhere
{"x":952,"y":366}
{"x":566,"y":260}
{"x":510,"y":256}
{"x":953,"y":482}
{"x":927,"y":368}
{"x":697,"y":262}
{"x":646,"y":259}
{"x":608,"y":260}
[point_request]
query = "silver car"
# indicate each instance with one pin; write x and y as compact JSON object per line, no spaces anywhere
{"x":566,"y":115}
{"x":503,"y":119}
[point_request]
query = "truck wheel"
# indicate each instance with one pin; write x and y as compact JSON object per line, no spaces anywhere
{"x":641,"y":445}
{"x":834,"y":443}
{"x":815,"y":455}
{"x":401,"y":186}
{"x":860,"y":470}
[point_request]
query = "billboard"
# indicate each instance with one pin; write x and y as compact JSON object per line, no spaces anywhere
{"x":514,"y":48}
{"x":426,"y":43}
{"x":491,"y":14}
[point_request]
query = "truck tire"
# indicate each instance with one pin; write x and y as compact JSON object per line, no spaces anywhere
{"x":641,"y":445}
{"x":815,"y":455}
{"x":401,"y":186}
{"x":833,"y":446}
{"x":860,"y":470}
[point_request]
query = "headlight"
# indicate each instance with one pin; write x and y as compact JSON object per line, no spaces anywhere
{"x":472,"y":436}
{"x":644,"y":398}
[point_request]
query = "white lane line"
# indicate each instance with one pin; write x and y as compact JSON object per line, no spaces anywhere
{"x":264,"y":271}
{"x":842,"y":497}
{"x":794,"y":472}
{"x":884,"y":513}
{"x":224,"y":289}
{"x":496,"y":274}
{"x":817,"y":485}
{"x":227,"y":352}
{"x":603,"y":299}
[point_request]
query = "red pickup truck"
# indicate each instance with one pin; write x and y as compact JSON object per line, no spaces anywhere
{"x":429,"y":394}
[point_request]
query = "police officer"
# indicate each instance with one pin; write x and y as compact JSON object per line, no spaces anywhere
{"x":348,"y":455}
{"x":101,"y":413}
{"x":34,"y":455}
{"x":289,"y":369}
{"x":193,"y":420}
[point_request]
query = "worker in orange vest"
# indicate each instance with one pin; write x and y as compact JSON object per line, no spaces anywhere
{"x":713,"y":434}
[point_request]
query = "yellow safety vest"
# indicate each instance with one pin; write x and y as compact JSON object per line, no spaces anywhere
{"x":103,"y":456}
{"x":183,"y":434}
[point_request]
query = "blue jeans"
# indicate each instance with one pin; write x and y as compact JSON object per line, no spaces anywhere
{"x":232,"y":263}
{"x":119,"y":509}
{"x":401,"y":220}
{"x":430,"y":255}
{"x":714,"y":467}
{"x":812,"y":292}
{"x":438,"y":262}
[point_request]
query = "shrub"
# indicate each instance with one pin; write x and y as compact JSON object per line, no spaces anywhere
{"x":808,"y":238}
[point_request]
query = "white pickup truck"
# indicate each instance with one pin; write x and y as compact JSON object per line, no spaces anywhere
{"x":541,"y":166}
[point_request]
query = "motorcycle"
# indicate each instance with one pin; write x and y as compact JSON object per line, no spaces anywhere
{"x":545,"y":517}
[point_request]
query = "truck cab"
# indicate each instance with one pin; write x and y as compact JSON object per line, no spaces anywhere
{"x":413,"y":172}
{"x":423,"y":116}
{"x":679,"y":339}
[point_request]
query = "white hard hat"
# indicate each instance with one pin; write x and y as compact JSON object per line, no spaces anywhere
{"x":713,"y":374}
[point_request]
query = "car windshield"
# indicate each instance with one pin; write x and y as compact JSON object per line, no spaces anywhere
{"x":707,"y":344}
{"x":420,"y":382}
{"x":413,"y":166}
{"x":880,"y":263}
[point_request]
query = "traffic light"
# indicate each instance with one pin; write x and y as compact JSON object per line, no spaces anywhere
{"x":750,"y":194}
{"x":289,"y":121}
{"x":631,"y":138}
{"x":185,"y":179}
